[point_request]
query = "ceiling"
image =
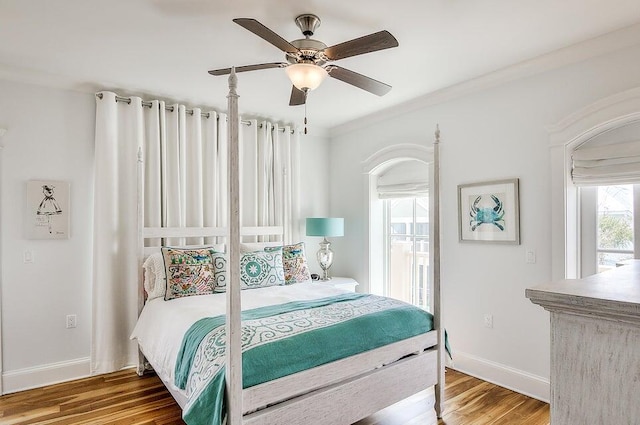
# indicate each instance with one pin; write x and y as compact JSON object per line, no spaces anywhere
{"x":163,"y":48}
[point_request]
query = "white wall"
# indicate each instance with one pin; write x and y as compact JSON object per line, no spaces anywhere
{"x":51,"y":136}
{"x":314,"y":192}
{"x":491,"y":134}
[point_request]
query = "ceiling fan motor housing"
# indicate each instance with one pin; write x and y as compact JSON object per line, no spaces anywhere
{"x":311,"y":51}
{"x":308,"y":24}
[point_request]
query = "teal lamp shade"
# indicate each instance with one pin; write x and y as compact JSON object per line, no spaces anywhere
{"x":325,"y":227}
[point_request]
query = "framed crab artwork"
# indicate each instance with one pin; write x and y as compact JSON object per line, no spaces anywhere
{"x":489,"y":212}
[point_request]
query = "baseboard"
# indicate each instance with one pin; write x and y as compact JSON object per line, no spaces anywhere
{"x":39,"y":376}
{"x":504,"y":376}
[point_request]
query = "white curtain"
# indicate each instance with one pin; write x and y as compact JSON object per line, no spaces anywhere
{"x":120,"y":133}
{"x":278,"y":179}
{"x":269,"y":165}
{"x":617,"y":163}
{"x":185,"y":185}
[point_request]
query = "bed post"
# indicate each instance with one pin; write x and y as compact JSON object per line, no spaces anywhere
{"x":437,"y":300}
{"x":233,"y":371}
{"x":140,"y":230}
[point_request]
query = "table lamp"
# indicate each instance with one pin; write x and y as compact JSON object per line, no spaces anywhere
{"x":324,"y":227}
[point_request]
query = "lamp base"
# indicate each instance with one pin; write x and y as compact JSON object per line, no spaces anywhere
{"x":325,"y":259}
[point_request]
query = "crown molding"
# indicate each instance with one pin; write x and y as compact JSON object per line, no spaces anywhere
{"x":594,"y":47}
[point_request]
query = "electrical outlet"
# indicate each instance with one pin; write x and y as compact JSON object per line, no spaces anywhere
{"x":488,"y":321}
{"x":72,"y":320}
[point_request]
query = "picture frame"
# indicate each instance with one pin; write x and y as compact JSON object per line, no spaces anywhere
{"x":47,"y":209}
{"x":489,"y":212}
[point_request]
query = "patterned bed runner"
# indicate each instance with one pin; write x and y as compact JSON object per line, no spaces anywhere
{"x":288,"y":338}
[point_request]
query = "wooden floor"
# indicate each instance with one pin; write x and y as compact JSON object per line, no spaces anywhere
{"x":125,"y":398}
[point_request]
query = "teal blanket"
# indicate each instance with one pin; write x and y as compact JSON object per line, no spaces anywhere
{"x":284,"y":339}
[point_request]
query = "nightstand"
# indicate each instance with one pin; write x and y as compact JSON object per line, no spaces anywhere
{"x":342,"y":283}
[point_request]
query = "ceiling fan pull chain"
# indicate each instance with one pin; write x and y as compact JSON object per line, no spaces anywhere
{"x":305,"y":117}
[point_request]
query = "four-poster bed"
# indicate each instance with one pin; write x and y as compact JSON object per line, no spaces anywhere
{"x":340,"y":391}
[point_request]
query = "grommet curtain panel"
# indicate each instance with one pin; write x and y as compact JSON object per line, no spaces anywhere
{"x":120,"y":131}
{"x":184,"y":154}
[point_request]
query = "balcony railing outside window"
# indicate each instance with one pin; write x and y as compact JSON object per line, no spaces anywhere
{"x":407,"y":250}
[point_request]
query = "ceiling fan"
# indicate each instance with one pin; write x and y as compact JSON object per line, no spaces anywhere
{"x":309,"y":61}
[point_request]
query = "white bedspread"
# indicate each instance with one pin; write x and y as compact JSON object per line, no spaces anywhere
{"x":162,"y":324}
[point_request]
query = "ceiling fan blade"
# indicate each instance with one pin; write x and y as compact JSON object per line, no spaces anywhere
{"x":358,"y":80}
{"x":298,"y":97}
{"x":265,"y":33}
{"x":227,"y":71}
{"x":358,"y":46}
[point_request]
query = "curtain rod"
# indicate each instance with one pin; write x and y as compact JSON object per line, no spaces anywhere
{"x":171,"y":109}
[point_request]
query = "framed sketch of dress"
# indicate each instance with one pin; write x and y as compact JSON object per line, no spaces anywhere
{"x":48,"y":209}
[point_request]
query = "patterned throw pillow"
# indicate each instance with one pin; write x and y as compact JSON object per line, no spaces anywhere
{"x":189,"y":272}
{"x":257,"y":270}
{"x":219,"y":272}
{"x":295,"y":265}
{"x":261,"y":268}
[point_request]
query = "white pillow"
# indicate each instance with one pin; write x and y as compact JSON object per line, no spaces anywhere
{"x":155,"y":278}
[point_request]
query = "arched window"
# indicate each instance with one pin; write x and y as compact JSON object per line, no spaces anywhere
{"x":398,"y":204}
{"x":404,"y":191}
{"x":606,"y":170}
{"x":592,"y":147}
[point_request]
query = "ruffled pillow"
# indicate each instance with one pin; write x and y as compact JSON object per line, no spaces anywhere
{"x":155,"y":280}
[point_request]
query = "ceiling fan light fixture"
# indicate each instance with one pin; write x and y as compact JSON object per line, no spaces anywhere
{"x":306,"y":76}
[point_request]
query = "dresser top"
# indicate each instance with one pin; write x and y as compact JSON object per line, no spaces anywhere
{"x":615,"y":292}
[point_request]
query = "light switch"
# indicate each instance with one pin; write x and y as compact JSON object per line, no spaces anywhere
{"x":27,"y":256}
{"x":530,"y":256}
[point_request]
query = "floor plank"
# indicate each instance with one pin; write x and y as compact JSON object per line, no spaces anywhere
{"x":123,"y":398}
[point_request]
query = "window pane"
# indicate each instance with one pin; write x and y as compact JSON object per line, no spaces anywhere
{"x":401,"y":215}
{"x":615,"y":217}
{"x":421,"y":270}
{"x":398,"y":228}
{"x":422,"y":229}
{"x":408,"y":250}
{"x":400,"y":271}
{"x":422,"y":216}
{"x":608,"y":260}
